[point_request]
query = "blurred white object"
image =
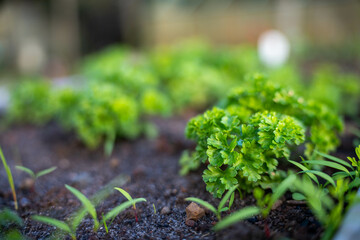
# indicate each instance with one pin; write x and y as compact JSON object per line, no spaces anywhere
{"x":4,"y":99}
{"x":273,"y":48}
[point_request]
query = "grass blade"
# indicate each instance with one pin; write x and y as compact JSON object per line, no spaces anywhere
{"x":203,"y":203}
{"x":323,"y":175}
{"x":125,"y":193}
{"x":10,"y":178}
{"x":226,"y":197}
{"x":335,"y":159}
{"x":86,"y":202}
{"x":302,"y":167}
{"x":53,"y":222}
{"x":329,"y":164}
{"x":27,"y":170}
{"x":282,"y":188}
{"x":236,"y":217}
{"x":115,"y":211}
{"x":46,"y":171}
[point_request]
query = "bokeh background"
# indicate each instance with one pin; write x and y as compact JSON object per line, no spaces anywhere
{"x":49,"y":37}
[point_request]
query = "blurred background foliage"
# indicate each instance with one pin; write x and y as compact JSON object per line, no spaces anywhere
{"x":104,"y":68}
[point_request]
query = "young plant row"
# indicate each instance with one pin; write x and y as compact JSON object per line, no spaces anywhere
{"x":123,"y":88}
{"x":329,"y":198}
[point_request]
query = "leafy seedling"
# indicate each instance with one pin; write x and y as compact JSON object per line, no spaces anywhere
{"x":70,"y":227}
{"x":33,"y":175}
{"x":38,"y":174}
{"x":10,"y":178}
{"x":221,"y":208}
{"x":9,"y":224}
{"x":154,"y":208}
{"x":128,"y":197}
{"x":264,"y":202}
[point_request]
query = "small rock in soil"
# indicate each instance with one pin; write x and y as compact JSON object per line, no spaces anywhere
{"x":114,"y":162}
{"x":194,"y":212}
{"x":64,"y":163}
{"x":165,"y":211}
{"x":28,"y":183}
{"x":277,"y":204}
{"x":139,"y":171}
{"x":190,"y":223}
{"x":24,"y":202}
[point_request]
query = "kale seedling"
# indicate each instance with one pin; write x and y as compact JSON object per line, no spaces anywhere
{"x":10,"y":178}
{"x":35,"y":176}
{"x":221,"y":207}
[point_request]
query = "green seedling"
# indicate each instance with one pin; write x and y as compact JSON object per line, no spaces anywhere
{"x":70,"y":227}
{"x":154,"y":208}
{"x":58,"y":224}
{"x":221,"y":207}
{"x":10,"y":178}
{"x":35,"y":176}
{"x":264,"y":202}
{"x":128,"y":197}
{"x":38,"y":174}
{"x":90,"y":208}
{"x":9,"y":225}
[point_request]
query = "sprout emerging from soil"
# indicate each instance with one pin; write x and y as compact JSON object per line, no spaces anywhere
{"x":10,"y":178}
{"x":34,"y":176}
{"x":221,"y":208}
{"x":70,"y":227}
{"x":128,"y":197}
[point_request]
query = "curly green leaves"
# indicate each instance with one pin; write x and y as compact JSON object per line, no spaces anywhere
{"x":245,"y":153}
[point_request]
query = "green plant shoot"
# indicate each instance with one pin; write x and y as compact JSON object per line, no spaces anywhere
{"x":10,"y":178}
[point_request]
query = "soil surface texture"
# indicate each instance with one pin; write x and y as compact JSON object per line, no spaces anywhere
{"x":143,"y":167}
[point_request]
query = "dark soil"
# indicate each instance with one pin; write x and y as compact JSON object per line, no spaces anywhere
{"x":152,"y":170}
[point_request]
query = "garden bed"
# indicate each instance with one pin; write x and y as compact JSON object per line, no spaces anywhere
{"x":151,"y":171}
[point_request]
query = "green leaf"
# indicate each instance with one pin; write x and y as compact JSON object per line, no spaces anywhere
{"x":86,"y":202}
{"x":328,"y":164}
{"x":46,"y":171}
{"x":203,"y":203}
{"x":335,"y":159}
{"x":323,"y":175}
{"x":10,"y":178}
{"x":223,"y":209}
{"x":298,"y":196}
{"x":27,"y":170}
{"x":302,"y":167}
{"x":115,"y":211}
{"x":126,"y":194}
{"x":53,"y":222}
{"x":231,"y":201}
{"x":7,"y":216}
{"x":226,"y":197}
{"x":282,"y":188}
{"x":236,"y":217}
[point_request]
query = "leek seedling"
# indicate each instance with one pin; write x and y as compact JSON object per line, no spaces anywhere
{"x":10,"y":178}
{"x":221,"y":208}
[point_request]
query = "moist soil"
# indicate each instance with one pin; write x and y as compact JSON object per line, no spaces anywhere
{"x":147,"y":168}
